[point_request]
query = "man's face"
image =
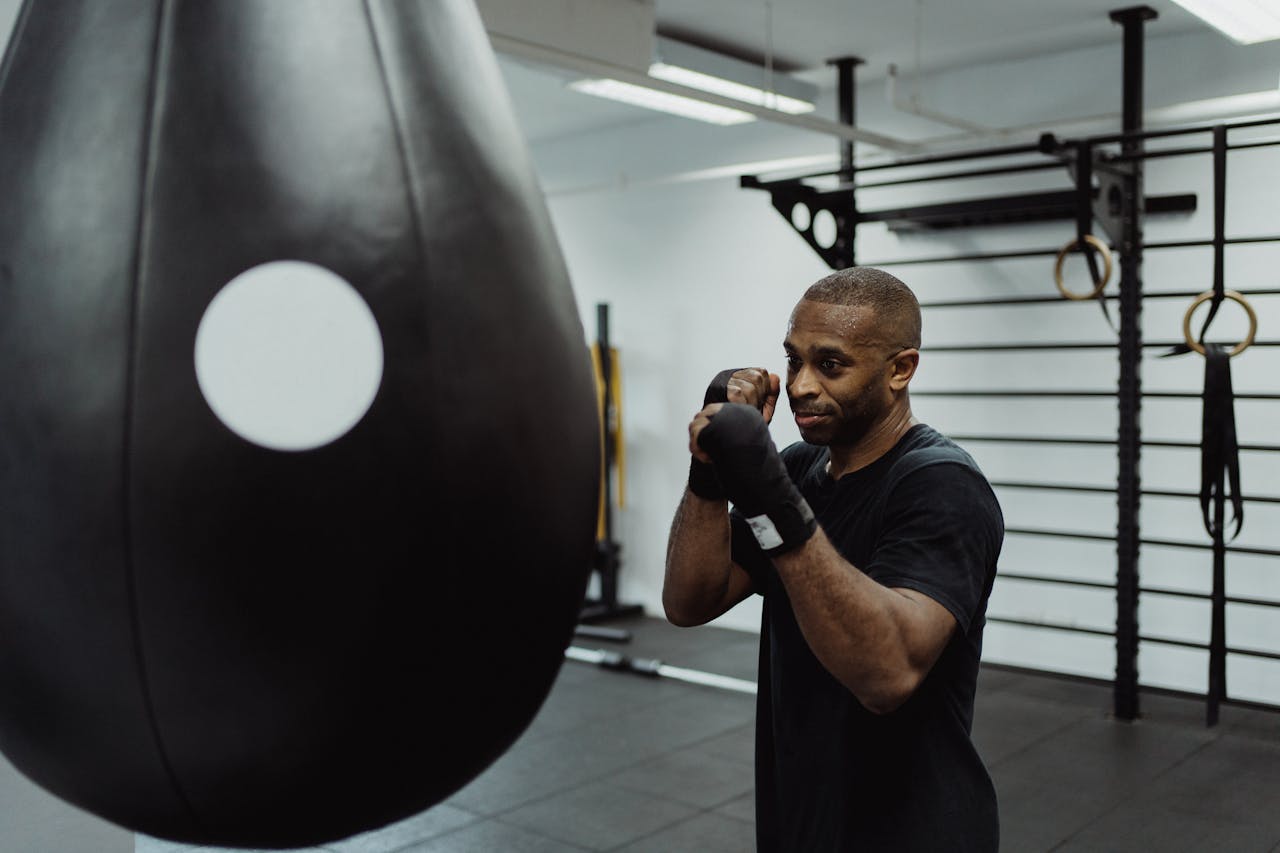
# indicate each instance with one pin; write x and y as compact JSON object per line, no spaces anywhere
{"x":839,"y":372}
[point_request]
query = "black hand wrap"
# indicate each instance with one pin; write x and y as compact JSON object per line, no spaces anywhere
{"x":755,"y":478}
{"x":703,"y":481}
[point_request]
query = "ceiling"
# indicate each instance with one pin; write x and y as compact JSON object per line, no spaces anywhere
{"x":800,"y":35}
{"x":807,"y":32}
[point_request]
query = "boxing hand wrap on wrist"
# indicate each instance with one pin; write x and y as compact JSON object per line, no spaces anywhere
{"x":703,"y":481}
{"x":755,"y":478}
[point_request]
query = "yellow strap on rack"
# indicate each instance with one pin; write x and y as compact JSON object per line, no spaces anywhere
{"x":614,"y":428}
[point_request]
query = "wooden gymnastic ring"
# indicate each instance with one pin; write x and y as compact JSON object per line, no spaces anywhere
{"x":1234,"y":296}
{"x":1098,"y":286}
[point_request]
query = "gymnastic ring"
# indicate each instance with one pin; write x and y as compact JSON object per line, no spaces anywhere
{"x":1097,"y":285}
{"x":1234,"y":296}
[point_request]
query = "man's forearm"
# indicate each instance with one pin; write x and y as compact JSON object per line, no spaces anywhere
{"x":699,"y":563}
{"x":878,"y":642}
{"x":702,"y":581}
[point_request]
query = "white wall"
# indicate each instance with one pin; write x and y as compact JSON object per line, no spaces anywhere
{"x":701,"y":275}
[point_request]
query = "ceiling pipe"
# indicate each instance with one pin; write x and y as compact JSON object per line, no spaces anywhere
{"x":1250,"y":105}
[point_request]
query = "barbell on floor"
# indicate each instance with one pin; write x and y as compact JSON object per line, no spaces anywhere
{"x":654,"y":668}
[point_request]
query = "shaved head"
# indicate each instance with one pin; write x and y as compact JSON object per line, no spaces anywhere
{"x":897,"y":312}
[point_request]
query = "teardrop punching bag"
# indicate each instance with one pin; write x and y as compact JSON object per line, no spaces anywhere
{"x":204,"y":638}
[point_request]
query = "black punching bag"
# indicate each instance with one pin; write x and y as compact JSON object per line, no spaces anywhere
{"x":205,"y":636}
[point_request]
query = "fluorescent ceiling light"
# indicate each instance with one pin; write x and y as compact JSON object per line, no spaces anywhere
{"x":730,"y":77}
{"x":726,"y":77}
{"x":1245,"y":21}
{"x":662,"y":101}
{"x":729,"y":88}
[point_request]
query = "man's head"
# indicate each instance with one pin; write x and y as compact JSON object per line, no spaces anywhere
{"x":852,"y":347}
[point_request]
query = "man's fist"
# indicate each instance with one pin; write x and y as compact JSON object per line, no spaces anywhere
{"x":696,"y":426}
{"x":753,"y":386}
{"x":735,"y":438}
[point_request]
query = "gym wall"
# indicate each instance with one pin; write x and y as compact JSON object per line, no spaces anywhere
{"x":702,"y":275}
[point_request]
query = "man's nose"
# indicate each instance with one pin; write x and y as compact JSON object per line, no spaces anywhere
{"x":802,"y":384}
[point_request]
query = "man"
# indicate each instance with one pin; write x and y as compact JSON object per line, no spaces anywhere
{"x":874,"y":543}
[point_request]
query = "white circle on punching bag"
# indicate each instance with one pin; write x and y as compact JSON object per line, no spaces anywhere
{"x":288,"y":355}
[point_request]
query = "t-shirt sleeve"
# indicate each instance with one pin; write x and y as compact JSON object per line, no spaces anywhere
{"x":941,"y":536}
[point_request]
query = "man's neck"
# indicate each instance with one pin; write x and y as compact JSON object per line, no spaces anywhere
{"x":878,"y":441}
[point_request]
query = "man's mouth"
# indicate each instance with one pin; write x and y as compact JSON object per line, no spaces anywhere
{"x":807,"y":419}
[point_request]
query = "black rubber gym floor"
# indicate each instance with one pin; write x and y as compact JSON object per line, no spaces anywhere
{"x":620,"y":762}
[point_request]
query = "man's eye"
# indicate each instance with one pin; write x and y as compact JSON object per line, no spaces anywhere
{"x":793,"y":362}
{"x":827,"y":364}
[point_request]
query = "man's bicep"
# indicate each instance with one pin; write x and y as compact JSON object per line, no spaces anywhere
{"x":741,"y":586}
{"x":942,"y":541}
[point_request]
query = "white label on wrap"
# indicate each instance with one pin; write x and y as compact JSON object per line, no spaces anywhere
{"x":766,"y":534}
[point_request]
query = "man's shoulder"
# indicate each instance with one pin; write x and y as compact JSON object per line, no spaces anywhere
{"x":932,"y":464}
{"x":924,"y":447}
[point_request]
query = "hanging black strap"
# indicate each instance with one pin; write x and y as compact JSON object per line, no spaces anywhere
{"x":1219,"y":469}
{"x":1219,"y":448}
{"x":1101,"y":297}
{"x":1219,"y":224}
{"x":1219,"y":289}
{"x":1084,"y":224}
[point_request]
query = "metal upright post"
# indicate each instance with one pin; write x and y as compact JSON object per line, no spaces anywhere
{"x":607,"y":560}
{"x":606,"y":549}
{"x":606,"y":413}
{"x":1218,"y":597}
{"x":847,"y":98}
{"x":1129,"y":438}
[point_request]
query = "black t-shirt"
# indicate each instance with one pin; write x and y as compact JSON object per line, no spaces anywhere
{"x":831,"y":775}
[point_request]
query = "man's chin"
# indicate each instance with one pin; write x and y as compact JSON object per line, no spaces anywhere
{"x":815,"y":435}
{"x":840,"y":434}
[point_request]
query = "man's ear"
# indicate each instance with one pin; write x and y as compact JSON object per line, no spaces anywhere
{"x":903,"y":367}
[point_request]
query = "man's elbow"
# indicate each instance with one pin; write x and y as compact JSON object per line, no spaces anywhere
{"x":890,"y":693}
{"x":679,"y":615}
{"x":681,"y":620}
